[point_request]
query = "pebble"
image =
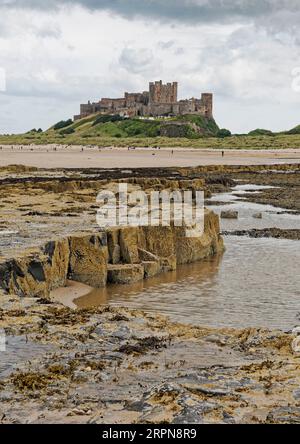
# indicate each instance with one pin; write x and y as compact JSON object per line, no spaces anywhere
{"x":229,"y":214}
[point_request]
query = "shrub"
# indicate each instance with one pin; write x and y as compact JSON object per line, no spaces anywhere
{"x":106,"y":119}
{"x":63,"y":124}
{"x":260,"y":132}
{"x":222,"y":133}
{"x":67,"y":131}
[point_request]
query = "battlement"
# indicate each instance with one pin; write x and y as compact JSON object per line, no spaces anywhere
{"x":160,"y":100}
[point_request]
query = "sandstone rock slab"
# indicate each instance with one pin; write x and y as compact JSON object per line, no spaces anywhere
{"x":125,"y":274}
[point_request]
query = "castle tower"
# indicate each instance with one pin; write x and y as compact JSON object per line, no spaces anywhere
{"x":207,"y":102}
{"x":161,"y":93}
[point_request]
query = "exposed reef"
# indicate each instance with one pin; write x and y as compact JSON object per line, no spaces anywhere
{"x":113,"y":365}
{"x":117,"y":255}
{"x":277,"y":233}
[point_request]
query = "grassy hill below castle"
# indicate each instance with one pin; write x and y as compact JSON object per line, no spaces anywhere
{"x":186,"y":131}
{"x":190,"y":127}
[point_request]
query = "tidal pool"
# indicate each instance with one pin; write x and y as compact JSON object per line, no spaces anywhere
{"x":255,"y":283}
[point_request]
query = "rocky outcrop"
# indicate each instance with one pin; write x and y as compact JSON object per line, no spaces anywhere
{"x":119,"y":255}
{"x":88,"y":260}
{"x":38,"y":272}
{"x":190,"y":249}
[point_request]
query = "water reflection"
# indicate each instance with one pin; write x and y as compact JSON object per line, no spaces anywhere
{"x":164,"y":282}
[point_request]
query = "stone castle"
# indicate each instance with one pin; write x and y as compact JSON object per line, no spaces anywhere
{"x":160,"y":100}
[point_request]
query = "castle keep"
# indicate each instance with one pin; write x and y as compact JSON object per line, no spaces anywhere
{"x":160,"y":100}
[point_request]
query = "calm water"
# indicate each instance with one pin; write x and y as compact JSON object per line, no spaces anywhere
{"x":256,"y":282}
{"x":17,"y":350}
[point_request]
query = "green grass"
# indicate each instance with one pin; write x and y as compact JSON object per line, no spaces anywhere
{"x":234,"y":142}
{"x":195,"y":132}
{"x":208,"y":125}
{"x":99,"y":125}
{"x":295,"y":130}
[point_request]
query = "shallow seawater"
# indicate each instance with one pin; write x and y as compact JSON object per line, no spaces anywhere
{"x":271,"y":216}
{"x":19,"y":349}
{"x":255,"y":283}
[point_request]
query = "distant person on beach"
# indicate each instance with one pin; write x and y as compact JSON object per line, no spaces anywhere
{"x":223,"y":153}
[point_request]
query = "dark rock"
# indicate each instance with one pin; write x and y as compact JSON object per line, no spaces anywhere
{"x":36,"y":270}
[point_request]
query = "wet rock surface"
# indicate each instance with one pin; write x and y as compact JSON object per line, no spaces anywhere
{"x":86,"y":258}
{"x":113,"y":365}
{"x":61,"y":206}
{"x":276,"y":233}
{"x":284,"y":188}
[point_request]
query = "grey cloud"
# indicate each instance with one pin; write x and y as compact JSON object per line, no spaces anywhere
{"x":49,"y":32}
{"x":179,"y":51}
{"x":138,"y":61}
{"x":166,"y":45}
{"x":192,"y":11}
{"x":67,"y":88}
{"x":11,"y":28}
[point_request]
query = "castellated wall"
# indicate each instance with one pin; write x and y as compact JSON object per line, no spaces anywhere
{"x":160,"y":100}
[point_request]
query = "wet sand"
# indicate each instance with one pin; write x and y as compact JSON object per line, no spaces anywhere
{"x":73,"y":290}
{"x":73,"y":157}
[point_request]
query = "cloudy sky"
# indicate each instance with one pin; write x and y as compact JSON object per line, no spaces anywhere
{"x":57,"y":54}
